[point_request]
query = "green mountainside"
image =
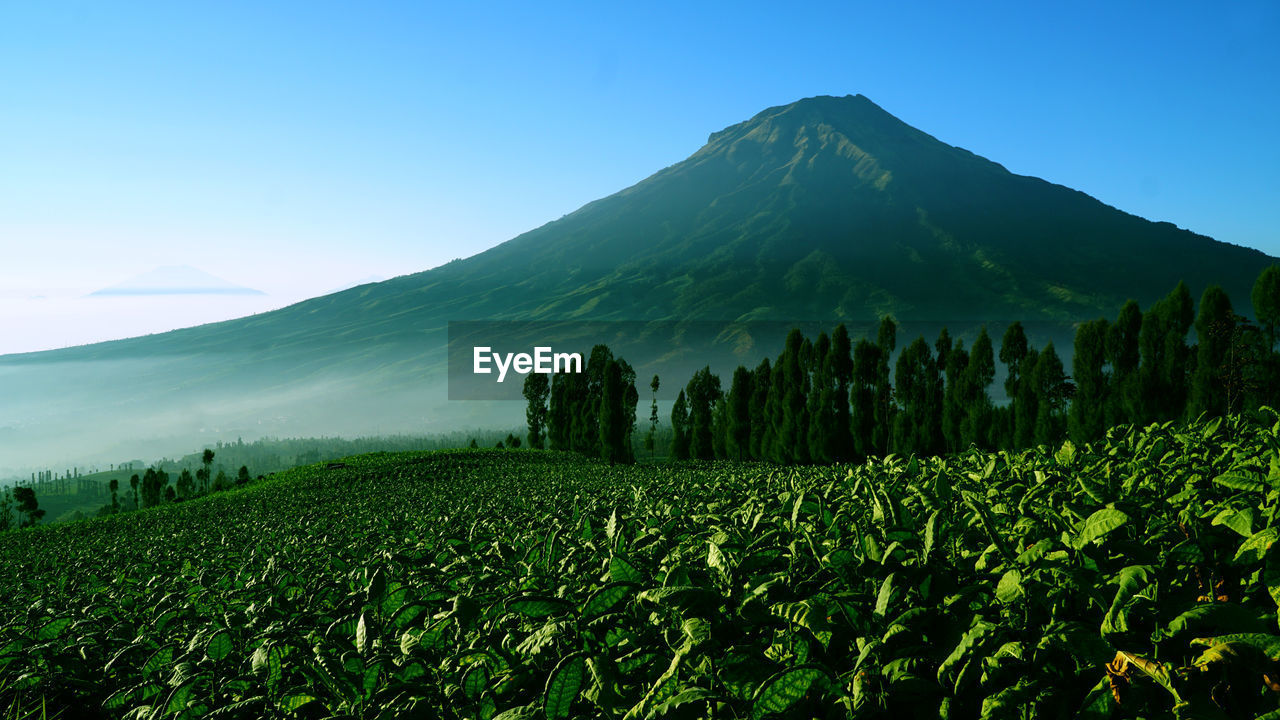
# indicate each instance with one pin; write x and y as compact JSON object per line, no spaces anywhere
{"x":828,"y":209}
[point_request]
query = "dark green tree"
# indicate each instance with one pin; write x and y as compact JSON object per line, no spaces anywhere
{"x":1053,"y":391}
{"x":1215,"y":331}
{"x":1125,"y":404}
{"x":1025,"y":408}
{"x":186,"y":484}
{"x":680,"y":428}
{"x":761,"y":381}
{"x":820,"y":396}
{"x":242,"y":476}
{"x":586,"y":405}
{"x":956,"y":395}
{"x":630,"y":401}
{"x":1266,"y":302}
{"x":1162,"y":344}
{"x":651,"y":438}
{"x":1014,"y":351}
{"x":840,"y":364}
{"x":917,"y":427}
{"x":114,"y":486}
{"x":979,"y":373}
{"x":559,"y":420}
{"x":536,"y":389}
{"x":613,"y":428}
{"x":720,"y":428}
{"x":702,"y":392}
{"x":6,"y":511}
{"x":206,"y":459}
{"x":24,"y":499}
{"x":737,"y":438}
{"x":133,"y":484}
{"x":862,"y":397}
{"x":1087,"y":420}
{"x":886,"y":341}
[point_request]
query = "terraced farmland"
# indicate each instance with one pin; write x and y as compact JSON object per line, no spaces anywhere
{"x":1135,"y":579}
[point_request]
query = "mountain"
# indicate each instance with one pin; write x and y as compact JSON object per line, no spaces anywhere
{"x":828,"y":209}
{"x":175,"y":280}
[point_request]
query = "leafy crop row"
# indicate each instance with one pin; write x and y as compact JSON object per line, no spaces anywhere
{"x":1138,"y":577}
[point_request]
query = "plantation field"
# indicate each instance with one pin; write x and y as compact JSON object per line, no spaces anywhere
{"x":1138,"y":578}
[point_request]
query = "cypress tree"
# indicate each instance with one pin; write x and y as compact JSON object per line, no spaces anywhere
{"x":1266,"y":302}
{"x":886,"y":341}
{"x":1088,"y":415}
{"x":862,"y":397}
{"x":789,"y":442}
{"x":650,"y":440}
{"x":680,"y":428}
{"x":798,"y":404}
{"x":720,"y":428}
{"x":840,"y":437}
{"x":956,"y":396}
{"x":587,"y":411}
{"x":559,"y":424}
{"x":576,"y":418}
{"x":917,"y":427}
{"x":943,"y":347}
{"x":979,"y":374}
{"x":612,"y":422}
{"x":761,"y":379}
{"x":1162,"y":344}
{"x":702,"y":392}
{"x":738,"y":415}
{"x":1052,"y":394}
{"x":772,"y":445}
{"x":1025,"y":407}
{"x":536,"y":389}
{"x":1125,"y":402}
{"x":821,"y":409}
{"x":1215,"y":331}
{"x":630,"y":401}
{"x":1013,"y":353}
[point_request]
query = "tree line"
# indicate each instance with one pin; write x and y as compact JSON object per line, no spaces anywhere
{"x":828,"y":399}
{"x":592,"y":412}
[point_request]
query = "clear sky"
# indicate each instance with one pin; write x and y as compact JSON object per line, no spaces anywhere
{"x":296,"y":147}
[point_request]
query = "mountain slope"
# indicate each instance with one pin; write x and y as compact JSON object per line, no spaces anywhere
{"x":827,"y":209}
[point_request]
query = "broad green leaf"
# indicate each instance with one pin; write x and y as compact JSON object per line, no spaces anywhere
{"x":563,"y":686}
{"x":1241,"y":482}
{"x":53,"y":629}
{"x":621,"y":570}
{"x":787,"y":687}
{"x":1099,"y":524}
{"x":538,"y":606}
{"x":884,"y":596}
{"x":606,"y":598}
{"x":475,"y":680}
{"x":289,"y":703}
{"x":1256,"y":547}
{"x":1009,"y":588}
{"x":219,"y":645}
{"x":1132,"y":580}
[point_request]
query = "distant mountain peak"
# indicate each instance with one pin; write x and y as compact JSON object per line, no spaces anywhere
{"x":176,"y":280}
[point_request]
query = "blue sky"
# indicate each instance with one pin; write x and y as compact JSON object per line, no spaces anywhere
{"x":294,"y":147}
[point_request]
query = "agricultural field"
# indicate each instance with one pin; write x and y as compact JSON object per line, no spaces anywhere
{"x":1135,"y":578}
